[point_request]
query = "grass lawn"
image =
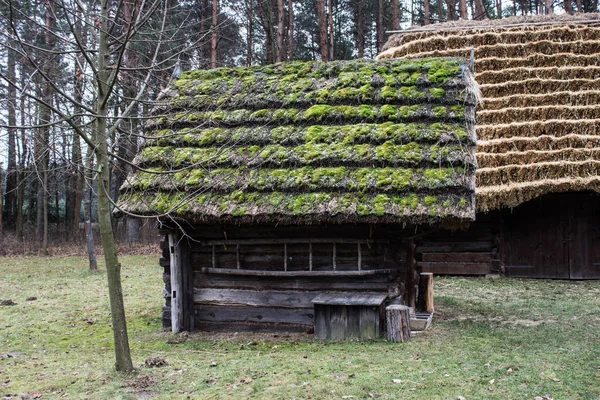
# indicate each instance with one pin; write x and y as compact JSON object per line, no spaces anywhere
{"x":496,"y":339}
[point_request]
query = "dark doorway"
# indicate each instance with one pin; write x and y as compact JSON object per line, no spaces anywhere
{"x":554,"y":236}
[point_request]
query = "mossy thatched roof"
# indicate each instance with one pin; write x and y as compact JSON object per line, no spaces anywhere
{"x":309,"y":142}
{"x":539,"y":124}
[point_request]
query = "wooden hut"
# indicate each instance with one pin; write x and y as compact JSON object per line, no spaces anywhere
{"x":538,"y":148}
{"x":276,"y":185}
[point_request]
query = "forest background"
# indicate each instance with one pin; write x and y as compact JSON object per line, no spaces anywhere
{"x":49,"y":86}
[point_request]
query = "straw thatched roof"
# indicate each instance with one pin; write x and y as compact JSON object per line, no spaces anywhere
{"x":302,"y":143}
{"x":539,"y":124}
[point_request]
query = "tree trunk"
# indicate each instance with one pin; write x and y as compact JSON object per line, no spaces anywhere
{"x":360,"y":28}
{"x":426,"y":13}
{"x":568,"y":7}
{"x":440,"y":11}
{"x":280,"y":31}
{"x":249,"y":32}
{"x":480,"y":12}
{"x":451,"y":5}
{"x":323,"y":30}
{"x":462,"y":4}
{"x":578,"y":3}
{"x":379,"y":26}
{"x":113,"y":268}
{"x":548,"y":9}
{"x":498,"y":9}
{"x":291,"y":30}
{"x":214,"y":41}
{"x":11,"y":168}
{"x":331,"y":32}
{"x":89,"y":232}
{"x":395,"y":15}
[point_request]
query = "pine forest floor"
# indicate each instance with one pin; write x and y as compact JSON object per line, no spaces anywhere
{"x":491,"y":338}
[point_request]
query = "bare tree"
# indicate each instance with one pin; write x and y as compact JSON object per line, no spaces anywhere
{"x":291,"y":30}
{"x":462,"y":5}
{"x":322,"y":15}
{"x":215,"y":34}
{"x":395,"y":15}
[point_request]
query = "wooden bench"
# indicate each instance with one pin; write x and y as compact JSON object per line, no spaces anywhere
{"x":359,"y":315}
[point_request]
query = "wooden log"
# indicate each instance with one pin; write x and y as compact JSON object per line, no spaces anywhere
{"x":398,"y":323}
{"x":455,"y":268}
{"x":176,"y":283}
{"x":457,"y":257}
{"x":425,"y":296}
{"x":410,"y":274}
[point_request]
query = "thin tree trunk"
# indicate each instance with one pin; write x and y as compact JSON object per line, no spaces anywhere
{"x":360,"y":28}
{"x":395,"y":15}
{"x":498,"y":9}
{"x":113,"y":267}
{"x":323,"y":30}
{"x":568,"y":6}
{"x":440,"y":11}
{"x":331,"y":31}
{"x":11,"y":170}
{"x":215,"y":34}
{"x":291,"y":30}
{"x":578,"y":3}
{"x":480,"y":13}
{"x":462,"y":4}
{"x":426,"y":13}
{"x":280,"y":31}
{"x":451,"y":6}
{"x":379,"y":26}
{"x":249,"y":32}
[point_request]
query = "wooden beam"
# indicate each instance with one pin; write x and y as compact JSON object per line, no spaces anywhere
{"x":359,"y":257}
{"x":410,"y":274}
{"x":227,"y":271}
{"x":310,"y":255}
{"x":177,"y":295}
{"x":289,"y":241}
{"x":334,"y":258}
{"x":425,"y":297}
{"x":285,"y":257}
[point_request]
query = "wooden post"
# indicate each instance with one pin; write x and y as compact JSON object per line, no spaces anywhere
{"x":425,"y":297}
{"x":410,"y":274}
{"x":176,"y":283}
{"x":398,"y":323}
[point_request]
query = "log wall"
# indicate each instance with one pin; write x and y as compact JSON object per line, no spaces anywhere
{"x":264,"y":278}
{"x":471,"y":251}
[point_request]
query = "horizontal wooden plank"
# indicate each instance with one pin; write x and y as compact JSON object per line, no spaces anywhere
{"x":323,"y":283}
{"x":227,"y":271}
{"x":452,"y":247}
{"x":263,"y":298}
{"x":209,"y":326}
{"x":288,"y":241}
{"x":353,"y":299}
{"x":455,"y":268}
{"x":301,"y":316}
{"x":460,"y":257}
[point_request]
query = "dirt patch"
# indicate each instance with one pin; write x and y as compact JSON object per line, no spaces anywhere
{"x":155,"y":362}
{"x":8,"y":302}
{"x":141,"y":383}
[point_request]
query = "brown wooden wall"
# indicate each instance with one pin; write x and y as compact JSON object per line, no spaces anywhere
{"x":264,"y":278}
{"x":554,"y":236}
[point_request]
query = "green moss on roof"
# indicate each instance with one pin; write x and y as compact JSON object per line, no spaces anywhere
{"x":304,"y":142}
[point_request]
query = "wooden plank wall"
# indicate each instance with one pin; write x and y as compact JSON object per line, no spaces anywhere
{"x":473,"y":251}
{"x":280,"y":298}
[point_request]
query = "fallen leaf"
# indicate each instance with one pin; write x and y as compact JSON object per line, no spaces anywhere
{"x":460,"y":398}
{"x":213,"y":364}
{"x":396,"y":380}
{"x":556,"y":380}
{"x":492,"y":381}
{"x":246,"y":380}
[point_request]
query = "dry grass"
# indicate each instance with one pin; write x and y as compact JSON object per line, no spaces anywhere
{"x":492,"y":339}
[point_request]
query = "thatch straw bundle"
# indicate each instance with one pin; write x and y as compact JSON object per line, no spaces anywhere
{"x":539,"y":124}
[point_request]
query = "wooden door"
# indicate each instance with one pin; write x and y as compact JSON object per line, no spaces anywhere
{"x":584,"y":235}
{"x":534,"y":239}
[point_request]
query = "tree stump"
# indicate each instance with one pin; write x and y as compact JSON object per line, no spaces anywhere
{"x":425,"y":297}
{"x":398,"y":323}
